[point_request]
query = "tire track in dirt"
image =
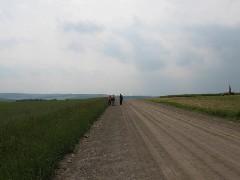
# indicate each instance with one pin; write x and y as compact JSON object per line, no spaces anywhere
{"x":192,"y":129}
{"x":216,"y":158}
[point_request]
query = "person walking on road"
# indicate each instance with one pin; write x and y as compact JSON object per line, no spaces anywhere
{"x":121,"y":99}
{"x":113,"y":100}
{"x":109,"y":100}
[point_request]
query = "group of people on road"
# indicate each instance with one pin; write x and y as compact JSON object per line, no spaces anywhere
{"x":111,"y":100}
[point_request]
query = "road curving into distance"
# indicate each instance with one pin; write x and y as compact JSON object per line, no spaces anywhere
{"x":144,"y":140}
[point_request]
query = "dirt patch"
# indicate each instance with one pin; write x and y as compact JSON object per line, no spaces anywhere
{"x":143,"y":140}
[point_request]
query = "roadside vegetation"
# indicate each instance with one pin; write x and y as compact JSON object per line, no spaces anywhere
{"x":211,"y":104}
{"x":34,"y":136}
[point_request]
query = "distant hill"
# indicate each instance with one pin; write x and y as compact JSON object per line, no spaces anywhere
{"x":23,"y":96}
{"x":136,"y":97}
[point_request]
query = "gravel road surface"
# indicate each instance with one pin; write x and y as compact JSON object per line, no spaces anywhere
{"x":144,"y":140}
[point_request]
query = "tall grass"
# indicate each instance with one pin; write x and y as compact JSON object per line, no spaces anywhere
{"x":35,"y":135}
{"x":221,"y":106}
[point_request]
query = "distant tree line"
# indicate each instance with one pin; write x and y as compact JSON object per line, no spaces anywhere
{"x":31,"y":100}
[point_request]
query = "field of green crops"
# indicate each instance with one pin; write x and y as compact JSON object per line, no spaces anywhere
{"x":216,"y":105}
{"x":34,"y":136}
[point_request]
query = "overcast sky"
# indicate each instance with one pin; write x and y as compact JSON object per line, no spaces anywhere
{"x":133,"y":47}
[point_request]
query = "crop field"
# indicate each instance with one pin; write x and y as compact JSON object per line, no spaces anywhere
{"x":34,"y":136}
{"x":222,"y":106}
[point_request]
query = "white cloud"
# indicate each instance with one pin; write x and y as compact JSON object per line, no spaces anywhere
{"x":82,"y":27}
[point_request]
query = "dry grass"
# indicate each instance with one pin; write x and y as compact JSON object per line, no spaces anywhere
{"x":224,"y":106}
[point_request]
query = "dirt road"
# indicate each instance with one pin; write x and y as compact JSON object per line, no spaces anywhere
{"x":143,"y":140}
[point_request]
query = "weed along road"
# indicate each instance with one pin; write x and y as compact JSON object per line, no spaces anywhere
{"x":143,"y":140}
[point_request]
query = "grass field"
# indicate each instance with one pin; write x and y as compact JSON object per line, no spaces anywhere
{"x":34,"y":136}
{"x":222,"y":106}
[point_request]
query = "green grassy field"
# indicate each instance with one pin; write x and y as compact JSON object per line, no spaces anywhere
{"x":34,"y":136}
{"x":217,"y":105}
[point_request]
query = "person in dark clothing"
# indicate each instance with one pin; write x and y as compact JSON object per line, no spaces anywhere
{"x":121,"y":99}
{"x":113,"y":100}
{"x":109,"y":100}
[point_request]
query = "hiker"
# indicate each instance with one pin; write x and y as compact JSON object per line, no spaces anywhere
{"x":109,"y":100}
{"x":113,"y":100}
{"x":121,"y":99}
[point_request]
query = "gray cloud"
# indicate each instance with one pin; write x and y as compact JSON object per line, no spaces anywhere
{"x":186,"y":57}
{"x":82,"y":27}
{"x":225,"y":40}
{"x":148,"y":54}
{"x":76,"y":47}
{"x":114,"y":49}
{"x":6,"y":72}
{"x":222,"y":44}
{"x":20,"y":71}
{"x":11,"y":42}
{"x":6,"y":43}
{"x":4,"y":16}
